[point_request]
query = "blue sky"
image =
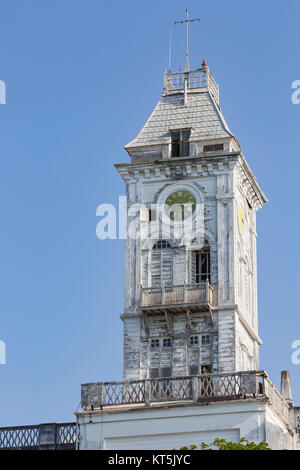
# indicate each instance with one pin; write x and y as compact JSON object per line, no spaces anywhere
{"x":82,"y":77}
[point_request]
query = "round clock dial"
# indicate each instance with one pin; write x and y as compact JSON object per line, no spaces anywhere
{"x":241,"y":218}
{"x":180,"y":205}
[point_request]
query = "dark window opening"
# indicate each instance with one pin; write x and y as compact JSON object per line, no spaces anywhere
{"x":180,"y":143}
{"x":213,"y":148}
{"x":195,"y":369}
{"x":194,"y":340}
{"x":162,"y":372}
{"x":166,"y":372}
{"x":167,"y":342}
{"x":154,"y":343}
{"x":205,"y":340}
{"x":206,"y":369}
{"x":201,"y":259}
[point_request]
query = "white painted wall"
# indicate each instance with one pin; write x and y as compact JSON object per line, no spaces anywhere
{"x":171,"y":427}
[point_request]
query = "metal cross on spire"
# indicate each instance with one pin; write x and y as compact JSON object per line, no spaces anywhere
{"x":187,"y":21}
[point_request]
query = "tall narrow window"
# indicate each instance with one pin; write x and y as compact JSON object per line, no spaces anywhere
{"x":161,"y":263}
{"x":200,"y":265}
{"x":180,"y":143}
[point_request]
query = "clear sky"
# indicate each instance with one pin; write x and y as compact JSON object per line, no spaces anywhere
{"x":82,"y":77}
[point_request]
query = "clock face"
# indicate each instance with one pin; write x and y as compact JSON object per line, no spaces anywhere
{"x":180,"y":205}
{"x":241,"y":218}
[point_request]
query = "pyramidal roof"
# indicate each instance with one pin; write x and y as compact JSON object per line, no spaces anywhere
{"x":190,"y":100}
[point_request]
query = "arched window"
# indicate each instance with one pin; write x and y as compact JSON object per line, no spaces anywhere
{"x":200,"y":263}
{"x":161,"y":244}
{"x":161,"y":263}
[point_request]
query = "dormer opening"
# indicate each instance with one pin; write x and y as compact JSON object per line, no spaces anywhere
{"x":213,"y":148}
{"x":180,"y":145}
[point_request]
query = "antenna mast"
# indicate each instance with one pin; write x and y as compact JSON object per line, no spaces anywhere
{"x":187,"y":21}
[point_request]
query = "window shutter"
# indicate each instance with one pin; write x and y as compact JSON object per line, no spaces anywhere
{"x":155,"y":268}
{"x":186,"y":135}
{"x":166,"y":262}
{"x":185,"y":145}
{"x":166,"y":372}
{"x":154,"y":373}
{"x":193,"y":267}
{"x":185,"y":149}
{"x":161,"y":267}
{"x":194,"y":369}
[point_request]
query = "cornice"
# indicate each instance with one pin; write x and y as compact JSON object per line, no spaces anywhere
{"x":249,"y":183}
{"x":178,"y":168}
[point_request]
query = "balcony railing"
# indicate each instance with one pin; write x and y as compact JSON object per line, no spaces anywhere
{"x":201,"y":293}
{"x":51,"y":436}
{"x":201,"y":78}
{"x":189,"y":389}
{"x":297,"y":419}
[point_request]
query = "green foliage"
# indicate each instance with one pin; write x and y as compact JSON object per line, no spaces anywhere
{"x":222,"y":444}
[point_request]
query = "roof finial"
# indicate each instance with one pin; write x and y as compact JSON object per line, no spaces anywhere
{"x":187,"y":21}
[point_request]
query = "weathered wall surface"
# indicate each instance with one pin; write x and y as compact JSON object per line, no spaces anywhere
{"x":220,"y":189}
{"x":277,"y":436}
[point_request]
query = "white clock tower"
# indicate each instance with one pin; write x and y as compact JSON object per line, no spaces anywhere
{"x":191,"y":344}
{"x":191,"y":297}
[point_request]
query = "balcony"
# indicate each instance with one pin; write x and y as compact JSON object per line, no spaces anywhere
{"x":202,"y":78}
{"x":50,"y":436}
{"x":206,"y":388}
{"x":195,"y":297}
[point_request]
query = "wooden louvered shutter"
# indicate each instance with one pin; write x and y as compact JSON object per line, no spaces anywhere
{"x":193,"y":266}
{"x":156,"y":268}
{"x":166,"y":372}
{"x":154,"y":373}
{"x":166,"y":265}
{"x":194,"y":369}
{"x":161,"y":267}
{"x":185,"y":145}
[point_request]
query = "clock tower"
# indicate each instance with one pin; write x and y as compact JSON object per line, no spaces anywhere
{"x":190,"y":293}
{"x":191,"y":343}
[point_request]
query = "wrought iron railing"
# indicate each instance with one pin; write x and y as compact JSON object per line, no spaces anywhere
{"x":41,"y":436}
{"x":174,"y":295}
